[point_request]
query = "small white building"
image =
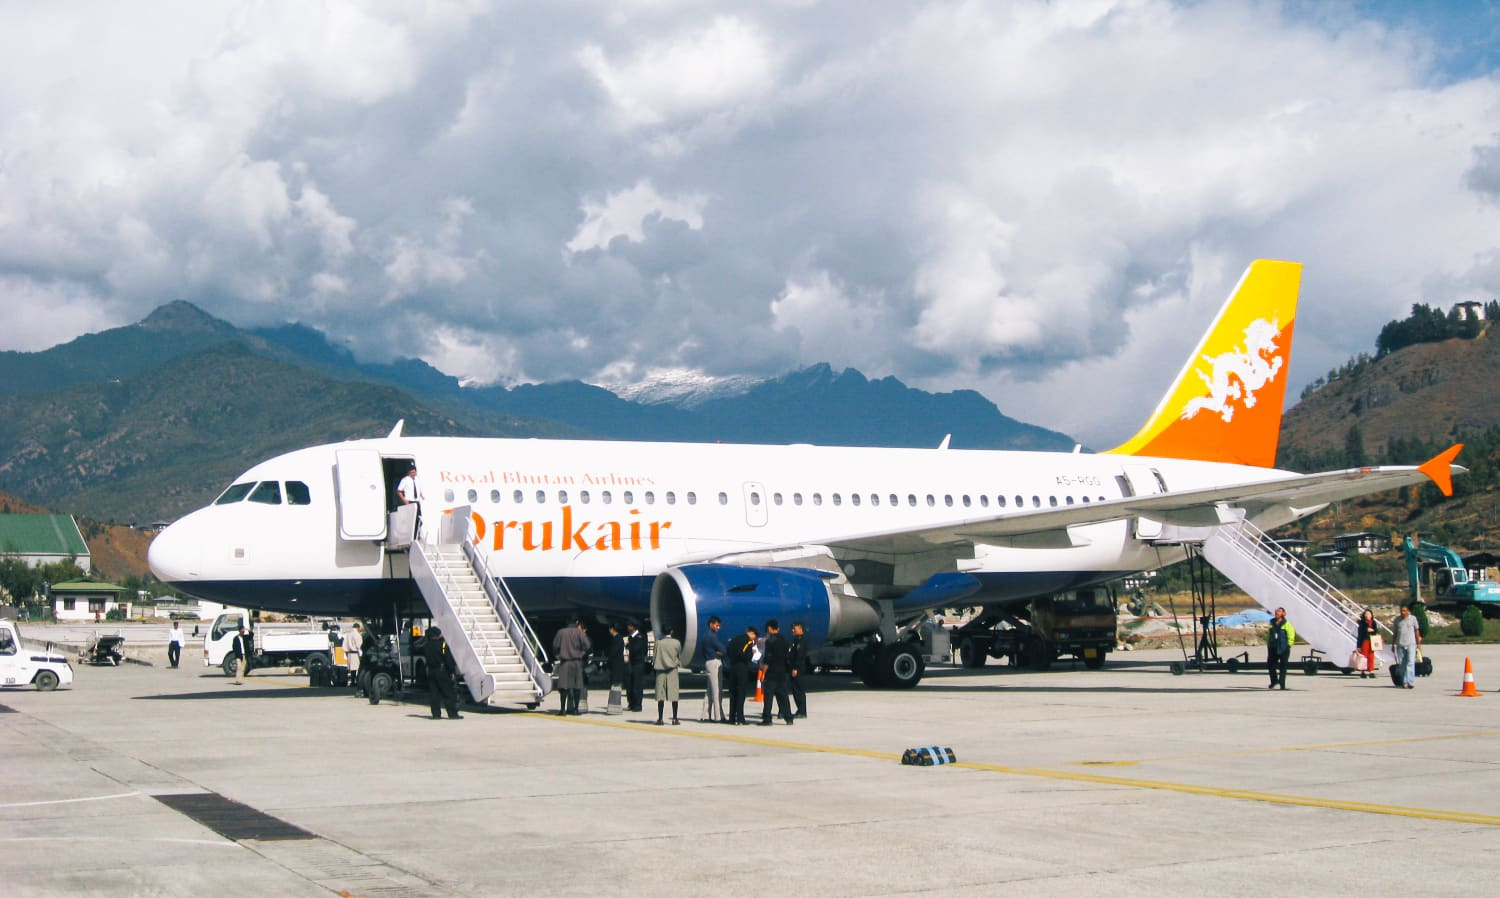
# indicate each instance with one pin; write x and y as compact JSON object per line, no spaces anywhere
{"x":85,"y":600}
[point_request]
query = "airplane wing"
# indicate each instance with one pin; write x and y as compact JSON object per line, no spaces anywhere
{"x":1195,"y":508}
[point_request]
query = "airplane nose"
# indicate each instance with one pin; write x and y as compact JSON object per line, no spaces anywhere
{"x":174,"y":557}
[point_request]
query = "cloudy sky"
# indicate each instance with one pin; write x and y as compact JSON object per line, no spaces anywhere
{"x":1046,"y":202}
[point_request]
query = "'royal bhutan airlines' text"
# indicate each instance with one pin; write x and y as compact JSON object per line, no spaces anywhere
{"x":570,"y":535}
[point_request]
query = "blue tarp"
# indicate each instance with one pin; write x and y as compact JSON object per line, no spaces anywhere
{"x":1248,"y":616}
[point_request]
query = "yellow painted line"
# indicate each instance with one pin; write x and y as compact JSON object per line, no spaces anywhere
{"x":1335,"y":804}
{"x":1327,"y":746}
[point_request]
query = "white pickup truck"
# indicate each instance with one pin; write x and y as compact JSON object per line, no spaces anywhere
{"x":274,"y":645}
{"x":20,"y":666}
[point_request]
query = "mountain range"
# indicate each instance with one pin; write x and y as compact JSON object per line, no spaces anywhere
{"x":147,"y":421}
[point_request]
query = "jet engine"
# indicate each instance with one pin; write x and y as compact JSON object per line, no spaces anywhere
{"x":685,"y":597}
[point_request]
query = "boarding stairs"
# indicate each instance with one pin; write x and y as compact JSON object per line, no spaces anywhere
{"x":492,"y":644}
{"x":1276,"y":578}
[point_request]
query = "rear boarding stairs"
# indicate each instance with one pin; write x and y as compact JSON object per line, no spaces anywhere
{"x":1276,"y":578}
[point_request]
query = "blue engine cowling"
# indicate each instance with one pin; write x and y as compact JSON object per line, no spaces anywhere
{"x":685,"y":597}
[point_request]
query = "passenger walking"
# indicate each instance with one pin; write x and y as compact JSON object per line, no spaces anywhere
{"x":742,"y":650}
{"x":1366,"y":633}
{"x":441,"y":672}
{"x":801,"y":665}
{"x":774,"y":663}
{"x":668,"y":687}
{"x":636,"y":650}
{"x":1279,"y":641}
{"x":571,"y":646}
{"x":1408,"y":637}
{"x":175,"y":641}
{"x":711,"y":652}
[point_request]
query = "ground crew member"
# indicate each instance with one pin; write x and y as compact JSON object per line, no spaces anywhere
{"x":175,"y":641}
{"x":741,"y":673}
{"x":635,"y":667}
{"x":773,"y":661}
{"x":441,"y":672}
{"x":1279,"y":641}
{"x":242,"y":646}
{"x":801,"y":666}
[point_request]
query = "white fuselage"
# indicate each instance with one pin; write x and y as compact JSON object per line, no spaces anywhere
{"x":588,"y":524}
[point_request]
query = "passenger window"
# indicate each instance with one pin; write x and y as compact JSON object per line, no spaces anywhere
{"x":911,"y":499}
{"x":817,"y":498}
{"x":1036,"y":501}
{"x":895,"y":500}
{"x":853,"y":498}
{"x":671,"y":498}
{"x":931,"y":501}
{"x":796,"y":498}
{"x":494,"y":497}
{"x":1052,"y":501}
{"x":473,"y":496}
{"x":235,"y":493}
{"x":984,"y":501}
{"x":776,"y":497}
{"x":837,"y":499}
{"x":948,"y":501}
{"x":723,"y":498}
{"x":1000,"y":501}
{"x":562,"y":497}
{"x":692,"y":498}
{"x":1070,"y":500}
{"x":297,"y":493}
{"x":754,"y":498}
{"x":267,"y":493}
{"x":448,"y":494}
{"x":650,"y":498}
{"x":1085,"y":500}
{"x":541,"y":497}
{"x":629,"y":497}
{"x":605,"y":497}
{"x":583,"y":496}
{"x":519,"y":497}
{"x":1020,"y":501}
{"x":874,"y":498}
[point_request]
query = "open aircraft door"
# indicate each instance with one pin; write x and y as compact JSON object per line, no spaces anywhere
{"x":1144,"y":481}
{"x":361,"y":494}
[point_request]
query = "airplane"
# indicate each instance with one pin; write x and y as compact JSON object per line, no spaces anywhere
{"x":855,"y":542}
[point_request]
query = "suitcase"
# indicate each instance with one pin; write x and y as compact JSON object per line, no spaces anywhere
{"x":1398,"y":674}
{"x":1424,"y":667}
{"x":928,"y":756}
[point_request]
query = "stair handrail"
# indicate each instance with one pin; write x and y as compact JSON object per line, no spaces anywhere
{"x":1294,"y":573}
{"x":465,"y":616}
{"x":526,"y":643}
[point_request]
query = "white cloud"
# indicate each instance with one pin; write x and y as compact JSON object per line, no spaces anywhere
{"x":1034,"y":199}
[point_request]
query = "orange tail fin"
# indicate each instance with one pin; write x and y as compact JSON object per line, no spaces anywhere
{"x":1226,"y":403}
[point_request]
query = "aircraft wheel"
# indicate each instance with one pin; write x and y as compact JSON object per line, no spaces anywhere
{"x":380,"y":687}
{"x":45,"y":681}
{"x":901,"y":666}
{"x":972,"y":654}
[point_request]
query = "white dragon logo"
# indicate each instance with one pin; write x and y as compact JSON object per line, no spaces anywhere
{"x":1240,"y":373}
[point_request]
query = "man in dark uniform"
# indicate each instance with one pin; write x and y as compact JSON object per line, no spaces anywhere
{"x":616,"y":657}
{"x":441,"y":672}
{"x":800,"y":665}
{"x":741,"y":673}
{"x":635,"y":667}
{"x":773,"y":661}
{"x":571,"y":646}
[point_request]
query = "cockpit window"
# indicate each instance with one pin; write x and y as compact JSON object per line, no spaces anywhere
{"x":297,"y":493}
{"x":234,"y":493}
{"x":267,"y":492}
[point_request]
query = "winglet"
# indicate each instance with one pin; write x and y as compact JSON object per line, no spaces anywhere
{"x":1437,"y":468}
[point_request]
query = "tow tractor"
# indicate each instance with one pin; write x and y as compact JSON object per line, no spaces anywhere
{"x":20,"y":666}
{"x":1451,"y":583}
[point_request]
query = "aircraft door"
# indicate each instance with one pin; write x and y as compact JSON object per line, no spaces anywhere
{"x":1144,"y":481}
{"x":755,"y":505}
{"x":360,"y":481}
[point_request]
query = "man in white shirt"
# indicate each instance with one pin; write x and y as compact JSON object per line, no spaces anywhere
{"x":175,"y":642}
{"x":407,"y":489}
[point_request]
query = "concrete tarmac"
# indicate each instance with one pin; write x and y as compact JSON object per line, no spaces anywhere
{"x":1125,"y":781}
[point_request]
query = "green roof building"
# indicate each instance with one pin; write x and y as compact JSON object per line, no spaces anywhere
{"x":41,"y":539}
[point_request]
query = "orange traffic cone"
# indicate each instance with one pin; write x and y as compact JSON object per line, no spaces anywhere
{"x":760,"y":679}
{"x":1469,"y":691}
